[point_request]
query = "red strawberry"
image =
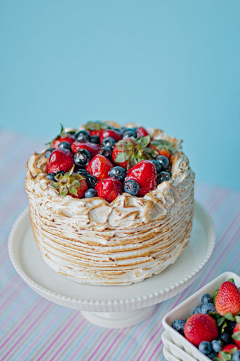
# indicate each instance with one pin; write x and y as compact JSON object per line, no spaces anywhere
{"x":141,"y":132}
{"x":62,"y":137}
{"x":96,"y":128}
{"x":200,"y":327}
{"x":165,"y":152}
{"x":129,"y":151}
{"x":110,"y":133}
{"x":228,"y":349}
{"x":60,"y":160}
{"x":145,"y":174}
{"x":236,"y":334}
{"x":163,"y":147}
{"x":91,"y":147}
{"x":109,"y":189}
{"x":99,"y":167}
{"x":228,"y":299}
{"x":69,"y":183}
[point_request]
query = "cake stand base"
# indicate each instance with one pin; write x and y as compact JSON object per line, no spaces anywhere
{"x":119,"y":319}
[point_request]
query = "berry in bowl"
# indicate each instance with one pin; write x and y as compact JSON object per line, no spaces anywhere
{"x":207,"y":324}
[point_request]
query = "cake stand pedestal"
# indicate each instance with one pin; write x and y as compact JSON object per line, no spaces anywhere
{"x":111,"y":306}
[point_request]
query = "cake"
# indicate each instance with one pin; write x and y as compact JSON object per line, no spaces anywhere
{"x":113,"y":213}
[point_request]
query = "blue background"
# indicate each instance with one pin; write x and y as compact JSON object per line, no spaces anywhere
{"x":169,"y":64}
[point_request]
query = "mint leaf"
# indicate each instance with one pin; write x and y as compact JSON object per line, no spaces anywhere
{"x":236,"y":336}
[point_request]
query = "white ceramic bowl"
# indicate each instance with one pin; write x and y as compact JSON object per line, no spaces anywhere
{"x":185,"y":309}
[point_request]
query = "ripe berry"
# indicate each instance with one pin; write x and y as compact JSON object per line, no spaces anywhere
{"x":115,"y":134}
{"x":65,"y":145}
{"x":236,"y":356}
{"x":60,"y":160}
{"x":228,"y":299}
{"x":82,"y":136}
{"x":198,"y":309}
{"x":178,"y":325}
{"x":83,"y":172}
{"x":205,"y":347}
{"x":145,"y":174}
{"x":158,"y":166}
{"x":226,"y":338}
{"x":95,"y":139}
{"x":141,"y":132}
{"x":108,"y":142}
{"x":91,"y":181}
{"x":106,"y":152}
{"x":131,"y":187}
{"x":91,"y":147}
{"x":118,"y":172}
{"x":206,"y":298}
{"x":99,"y":167}
{"x":216,"y":345}
{"x":128,"y":134}
{"x":48,"y":152}
{"x":82,"y":157}
{"x":163,"y":176}
{"x":51,"y":176}
{"x":200,"y":328}
{"x":208,"y":307}
{"x":109,"y":188}
{"x":163,"y":161}
{"x":91,"y":193}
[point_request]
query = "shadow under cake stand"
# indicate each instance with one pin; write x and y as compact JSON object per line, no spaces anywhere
{"x":111,"y":306}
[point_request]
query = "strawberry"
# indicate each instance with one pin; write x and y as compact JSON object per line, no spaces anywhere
{"x":145,"y":174}
{"x":69,"y":183}
{"x":109,"y":188}
{"x":163,"y":147}
{"x":110,"y":133}
{"x":96,"y":128}
{"x":228,"y":349}
{"x":165,"y":152}
{"x":141,"y":132}
{"x":236,"y":332}
{"x":200,"y":327}
{"x":91,"y":147}
{"x":228,"y":299}
{"x":62,"y":137}
{"x":60,"y":160}
{"x":129,"y":151}
{"x":99,"y":167}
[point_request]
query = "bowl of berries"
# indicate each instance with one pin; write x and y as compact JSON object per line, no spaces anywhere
{"x":207,"y":324}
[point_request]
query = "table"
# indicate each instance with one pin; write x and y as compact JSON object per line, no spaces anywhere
{"x":32,"y":328}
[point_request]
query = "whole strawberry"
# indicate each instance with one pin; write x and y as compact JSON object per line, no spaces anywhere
{"x":236,"y":332}
{"x":61,"y":160}
{"x":62,"y":137}
{"x":228,"y":349}
{"x":109,"y":189}
{"x":141,"y":132}
{"x":145,"y":174}
{"x":96,"y":127}
{"x":91,"y":147}
{"x":72,"y":184}
{"x":228,"y":299}
{"x":200,"y":327}
{"x":129,"y":151}
{"x":99,"y":167}
{"x":110,"y":133}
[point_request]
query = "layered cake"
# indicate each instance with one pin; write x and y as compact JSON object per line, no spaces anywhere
{"x":110,"y":205}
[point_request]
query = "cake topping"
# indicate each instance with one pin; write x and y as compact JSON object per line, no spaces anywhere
{"x":70,"y":183}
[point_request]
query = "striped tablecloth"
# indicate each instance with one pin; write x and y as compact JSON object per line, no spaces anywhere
{"x":32,"y":328}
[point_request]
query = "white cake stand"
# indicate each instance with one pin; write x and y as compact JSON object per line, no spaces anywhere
{"x":111,"y":306}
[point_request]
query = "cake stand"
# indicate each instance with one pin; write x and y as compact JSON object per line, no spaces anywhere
{"x":111,"y":306}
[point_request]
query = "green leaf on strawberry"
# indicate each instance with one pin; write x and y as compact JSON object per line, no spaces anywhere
{"x":229,"y":317}
{"x":122,"y":157}
{"x":96,"y":125}
{"x":231,"y":280}
{"x":220,"y":321}
{"x":163,"y":144}
{"x":237,"y":319}
{"x":226,"y":356}
{"x":216,"y":359}
{"x":144,"y":141}
{"x":236,"y":336}
{"x":215,"y":296}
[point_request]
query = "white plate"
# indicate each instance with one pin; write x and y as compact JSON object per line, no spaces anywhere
{"x":28,"y":262}
{"x":174,"y":350}
{"x":185,"y":309}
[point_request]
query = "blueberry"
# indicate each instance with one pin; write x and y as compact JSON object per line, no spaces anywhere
{"x":83,"y":172}
{"x":198,"y":309}
{"x":205,"y":347}
{"x":91,"y":181}
{"x":106,"y":152}
{"x":216,"y":345}
{"x":131,"y":187}
{"x":95,"y":139}
{"x":122,"y":130}
{"x":212,"y":354}
{"x":64,"y":145}
{"x":236,"y":356}
{"x":226,"y":337}
{"x":118,"y":172}
{"x":82,"y":157}
{"x":48,"y":152}
{"x":82,"y":136}
{"x":163,"y":161}
{"x":90,"y":193}
{"x":158,"y":166}
{"x":206,"y":298}
{"x":178,"y":325}
{"x":208,"y":307}
{"x":108,"y":142}
{"x":163,"y":176}
{"x":129,"y":133}
{"x":51,"y":176}
{"x":60,"y":172}
{"x":169,"y":170}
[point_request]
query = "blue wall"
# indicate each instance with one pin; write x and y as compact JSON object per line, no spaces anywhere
{"x":170,"y":64}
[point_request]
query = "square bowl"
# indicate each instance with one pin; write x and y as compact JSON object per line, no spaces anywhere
{"x":186,"y":308}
